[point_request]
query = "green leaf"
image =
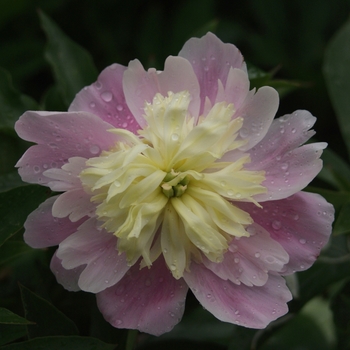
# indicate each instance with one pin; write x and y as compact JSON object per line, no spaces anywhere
{"x":335,"y":170}
{"x":49,"y":321}
{"x":337,"y":74}
{"x":342,"y":225}
{"x":341,"y":311}
{"x":9,"y":333}
{"x":61,"y":343}
{"x":12,"y":103}
{"x":8,"y":317}
{"x":72,"y":65}
{"x":10,"y":180}
{"x":337,"y":198}
{"x":320,"y":276}
{"x":16,"y":205}
{"x":305,"y":331}
{"x":11,"y":250}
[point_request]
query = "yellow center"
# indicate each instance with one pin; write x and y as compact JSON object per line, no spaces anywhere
{"x":167,"y":192}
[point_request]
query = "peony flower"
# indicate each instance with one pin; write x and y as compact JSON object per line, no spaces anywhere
{"x":177,"y":179}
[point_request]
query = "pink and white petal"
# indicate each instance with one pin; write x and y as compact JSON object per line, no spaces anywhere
{"x":288,"y":167}
{"x":293,"y":172}
{"x":301,"y":224}
{"x":105,"y":98}
{"x":67,"y":177}
{"x":75,"y":204}
{"x":253,"y":307}
{"x":285,"y":134}
{"x":236,"y":89}
{"x":140,"y":86}
{"x":258,"y":111}
{"x":60,"y":136}
{"x":149,"y":300}
{"x":67,"y":278}
{"x":43,"y":230}
{"x":249,"y":259}
{"x":211,"y":60}
{"x":95,"y":248}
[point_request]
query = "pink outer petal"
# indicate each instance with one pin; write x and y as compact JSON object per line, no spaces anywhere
{"x":43,"y":230}
{"x":211,"y":60}
{"x":105,"y":98}
{"x":66,"y":178}
{"x":75,"y":204}
{"x":258,"y":112}
{"x":236,"y":89}
{"x":67,"y":278}
{"x":249,"y":259}
{"x":288,"y":167}
{"x":59,"y":136}
{"x":95,"y":248}
{"x":149,"y":300}
{"x":253,"y":307}
{"x":301,"y":223}
{"x":140,"y":86}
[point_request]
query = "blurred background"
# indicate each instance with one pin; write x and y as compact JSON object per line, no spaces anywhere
{"x":284,"y":43}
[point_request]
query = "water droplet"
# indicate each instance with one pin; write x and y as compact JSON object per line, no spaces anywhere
{"x":270,"y":259}
{"x":106,"y":281}
{"x":118,"y":322}
{"x":276,"y":224}
{"x":222,"y":183}
{"x":94,"y":149}
{"x":294,"y":130}
{"x":257,"y":255}
{"x":238,"y":195}
{"x":251,"y":230}
{"x":92,"y":104}
{"x":171,"y":314}
{"x":175,"y":137}
{"x":302,"y":241}
{"x":148,"y":282}
{"x":36,"y":169}
{"x":117,"y":183}
{"x":98,"y":85}
{"x":107,"y":96}
{"x":120,"y":108}
{"x":284,"y":166}
{"x":244,"y":132}
{"x":230,"y":192}
{"x":208,"y":295}
{"x":124,"y":125}
{"x":236,"y":260}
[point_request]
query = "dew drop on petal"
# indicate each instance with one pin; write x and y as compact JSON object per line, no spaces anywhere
{"x":175,"y":137}
{"x":230,"y":192}
{"x":94,"y":149}
{"x":36,"y":169}
{"x":302,"y":241}
{"x":284,"y":166}
{"x":107,"y":96}
{"x":148,"y":282}
{"x":120,"y":108}
{"x":257,"y":255}
{"x":276,"y":224}
{"x":118,"y":322}
{"x":92,"y":104}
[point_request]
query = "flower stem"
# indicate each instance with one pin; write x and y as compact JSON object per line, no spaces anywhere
{"x":131,"y":338}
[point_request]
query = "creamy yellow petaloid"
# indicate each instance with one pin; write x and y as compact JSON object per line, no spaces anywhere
{"x":167,"y":192}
